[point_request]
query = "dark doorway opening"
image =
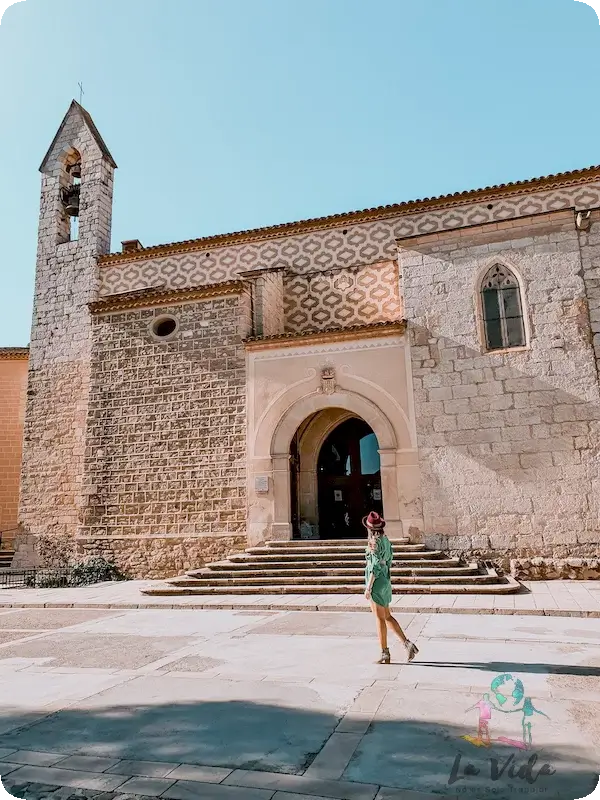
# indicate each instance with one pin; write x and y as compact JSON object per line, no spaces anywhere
{"x":349,"y":480}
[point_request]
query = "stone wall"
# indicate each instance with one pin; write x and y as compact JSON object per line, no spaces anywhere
{"x":508,"y":441}
{"x":267,"y":297}
{"x":53,"y":447}
{"x":554,"y":569}
{"x":166,"y":445}
{"x":160,"y":556}
{"x":13,"y":388}
{"x":589,"y":240}
{"x":66,"y":280}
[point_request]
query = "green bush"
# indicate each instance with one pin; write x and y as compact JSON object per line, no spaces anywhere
{"x":51,"y":579}
{"x":95,"y":569}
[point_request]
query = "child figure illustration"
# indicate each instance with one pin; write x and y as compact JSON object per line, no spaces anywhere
{"x":483,"y":728}
{"x":521,"y":705}
{"x":528,"y":710}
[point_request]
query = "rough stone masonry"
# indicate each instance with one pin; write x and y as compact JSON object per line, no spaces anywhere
{"x":508,"y":441}
{"x":170,"y":386}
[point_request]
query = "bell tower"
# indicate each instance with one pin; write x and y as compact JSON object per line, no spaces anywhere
{"x":74,"y":230}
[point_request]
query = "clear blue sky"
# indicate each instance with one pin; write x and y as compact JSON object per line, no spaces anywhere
{"x":232,"y":114}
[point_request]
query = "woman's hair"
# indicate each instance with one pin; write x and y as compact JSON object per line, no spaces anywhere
{"x":374,"y":536}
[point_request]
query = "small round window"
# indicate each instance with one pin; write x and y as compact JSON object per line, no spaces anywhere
{"x":163,"y":327}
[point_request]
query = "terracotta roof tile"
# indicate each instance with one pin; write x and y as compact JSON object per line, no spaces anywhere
{"x":13,"y":353}
{"x":379,"y":212}
{"x":161,"y":295}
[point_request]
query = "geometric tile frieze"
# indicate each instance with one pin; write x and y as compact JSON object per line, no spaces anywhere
{"x":342,"y":298}
{"x":345,"y":246}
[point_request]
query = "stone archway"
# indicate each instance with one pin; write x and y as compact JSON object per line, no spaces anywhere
{"x":346,"y":402}
{"x":307,"y":444}
{"x":296,"y":389}
{"x":335,"y":475}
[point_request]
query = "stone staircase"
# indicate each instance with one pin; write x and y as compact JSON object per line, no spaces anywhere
{"x":334,"y":567}
{"x":6,"y":548}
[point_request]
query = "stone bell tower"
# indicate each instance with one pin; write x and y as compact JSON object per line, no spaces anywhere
{"x":74,"y":230}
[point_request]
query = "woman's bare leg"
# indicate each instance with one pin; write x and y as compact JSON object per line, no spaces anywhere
{"x":411,"y":648}
{"x":379,"y":612}
{"x":395,"y":626}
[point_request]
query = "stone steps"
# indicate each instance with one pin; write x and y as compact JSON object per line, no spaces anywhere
{"x":349,"y":566}
{"x":226,"y":571}
{"x":323,"y":544}
{"x":266,"y":555}
{"x":510,"y":586}
{"x":340,"y":550}
{"x":333,"y":567}
{"x":325,"y":581}
{"x":6,"y":557}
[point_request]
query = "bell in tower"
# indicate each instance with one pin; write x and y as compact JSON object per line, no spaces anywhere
{"x":70,"y":194}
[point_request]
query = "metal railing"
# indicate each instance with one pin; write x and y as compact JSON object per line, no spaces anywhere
{"x":32,"y":578}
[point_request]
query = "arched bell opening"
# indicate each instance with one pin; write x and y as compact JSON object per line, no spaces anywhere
{"x":70,"y":197}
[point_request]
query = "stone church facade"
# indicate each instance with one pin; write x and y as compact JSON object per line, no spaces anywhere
{"x":436,"y":360}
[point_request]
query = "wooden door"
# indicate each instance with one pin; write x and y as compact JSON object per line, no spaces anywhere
{"x":349,"y":480}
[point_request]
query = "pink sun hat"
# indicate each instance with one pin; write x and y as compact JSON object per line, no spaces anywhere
{"x":374,"y":521}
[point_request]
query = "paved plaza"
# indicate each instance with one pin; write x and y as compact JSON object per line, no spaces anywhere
{"x":538,"y":598}
{"x":288,"y":705}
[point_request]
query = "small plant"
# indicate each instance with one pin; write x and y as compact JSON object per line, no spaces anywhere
{"x":95,"y":569}
{"x":55,"y":552}
{"x":60,"y":565}
{"x":51,"y":579}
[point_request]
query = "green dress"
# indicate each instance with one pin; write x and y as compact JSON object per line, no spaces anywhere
{"x":379,"y":564}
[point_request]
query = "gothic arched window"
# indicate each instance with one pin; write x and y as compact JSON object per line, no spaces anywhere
{"x":502,"y":309}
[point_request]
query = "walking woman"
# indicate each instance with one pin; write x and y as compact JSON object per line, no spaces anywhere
{"x":379,"y":587}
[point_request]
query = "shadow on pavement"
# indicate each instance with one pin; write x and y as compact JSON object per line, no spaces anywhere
{"x":426,"y":756}
{"x":513,"y":667}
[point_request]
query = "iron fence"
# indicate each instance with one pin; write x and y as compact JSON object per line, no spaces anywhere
{"x":34,"y":578}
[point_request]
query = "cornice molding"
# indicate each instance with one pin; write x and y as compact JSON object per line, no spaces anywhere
{"x":331,"y":335}
{"x":153,"y":297}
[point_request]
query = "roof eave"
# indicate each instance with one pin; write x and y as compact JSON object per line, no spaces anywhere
{"x":584,"y":175}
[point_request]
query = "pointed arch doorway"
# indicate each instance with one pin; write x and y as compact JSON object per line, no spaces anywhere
{"x":335,"y":475}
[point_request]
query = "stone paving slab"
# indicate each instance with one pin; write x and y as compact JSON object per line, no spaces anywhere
{"x":160,"y":769}
{"x":285,"y":712}
{"x":189,"y":791}
{"x":148,"y":786}
{"x":301,"y":784}
{"x":54,"y":619}
{"x":81,"y":649}
{"x":10,"y":636}
{"x":221,"y":723}
{"x":66,"y":777}
{"x":539,"y":598}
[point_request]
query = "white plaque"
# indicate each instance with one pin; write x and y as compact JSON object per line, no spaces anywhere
{"x":337,"y":496}
{"x":376,"y":494}
{"x":261,"y":484}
